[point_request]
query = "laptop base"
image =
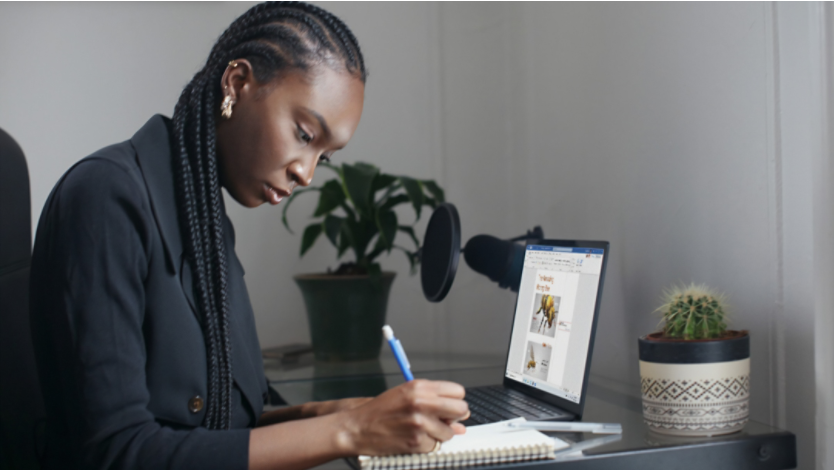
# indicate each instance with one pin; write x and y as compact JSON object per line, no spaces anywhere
{"x":494,"y":403}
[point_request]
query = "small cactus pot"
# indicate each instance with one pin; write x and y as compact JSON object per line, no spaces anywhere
{"x":696,"y":387}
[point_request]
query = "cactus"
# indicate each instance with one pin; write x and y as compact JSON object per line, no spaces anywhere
{"x":693,"y":312}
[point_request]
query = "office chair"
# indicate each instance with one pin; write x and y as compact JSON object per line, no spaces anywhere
{"x":21,"y":405}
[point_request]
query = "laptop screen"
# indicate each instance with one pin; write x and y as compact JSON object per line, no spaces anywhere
{"x":554,"y":318}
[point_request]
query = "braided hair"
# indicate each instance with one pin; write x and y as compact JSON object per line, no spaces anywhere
{"x":274,"y":37}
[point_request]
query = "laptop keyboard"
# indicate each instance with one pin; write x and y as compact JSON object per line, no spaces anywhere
{"x":496,"y":403}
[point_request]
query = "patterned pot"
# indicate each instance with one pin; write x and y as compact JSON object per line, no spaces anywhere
{"x":695,"y":388}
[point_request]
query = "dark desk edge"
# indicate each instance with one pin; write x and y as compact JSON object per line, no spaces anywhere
{"x":766,"y":452}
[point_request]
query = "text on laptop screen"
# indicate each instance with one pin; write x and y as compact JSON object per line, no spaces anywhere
{"x":554,"y":318}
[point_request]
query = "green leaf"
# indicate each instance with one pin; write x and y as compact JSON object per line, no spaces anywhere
{"x":368,"y":199}
{"x":332,"y":167}
{"x":387,"y":224}
{"x":311,"y":233}
{"x":410,"y":231}
{"x":348,"y":232}
{"x":290,"y":199}
{"x":358,"y":179}
{"x":332,"y":228}
{"x":332,"y":196}
{"x":367,"y":166}
{"x":382,"y":181}
{"x":435,"y":190}
{"x":415,"y":193}
{"x":388,"y":192}
{"x":350,"y":213}
{"x":344,"y":241}
{"x":379,"y":248}
{"x":360,"y":234}
{"x":394,"y":201}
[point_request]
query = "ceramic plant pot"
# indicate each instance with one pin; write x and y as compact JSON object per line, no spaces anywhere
{"x":695,"y":388}
{"x":346,"y":314}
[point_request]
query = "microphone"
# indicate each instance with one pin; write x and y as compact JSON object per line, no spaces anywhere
{"x":500,"y":260}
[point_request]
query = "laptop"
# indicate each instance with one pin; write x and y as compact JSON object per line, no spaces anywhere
{"x":552,"y":336}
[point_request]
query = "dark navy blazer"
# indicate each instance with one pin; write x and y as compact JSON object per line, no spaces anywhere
{"x":119,"y":345}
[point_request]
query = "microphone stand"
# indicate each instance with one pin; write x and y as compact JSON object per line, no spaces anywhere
{"x":532,"y":235}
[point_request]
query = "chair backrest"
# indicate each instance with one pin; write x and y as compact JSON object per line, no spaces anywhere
{"x":21,"y":405}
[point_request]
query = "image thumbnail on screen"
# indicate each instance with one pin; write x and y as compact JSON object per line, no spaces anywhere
{"x":537,"y":360}
{"x":545,"y":313}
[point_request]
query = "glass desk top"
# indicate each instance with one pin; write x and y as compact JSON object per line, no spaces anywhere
{"x":306,"y":369}
{"x":758,"y":446}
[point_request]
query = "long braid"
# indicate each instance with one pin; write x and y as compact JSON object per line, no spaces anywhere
{"x":216,"y":311}
{"x":216,"y":373}
{"x":197,"y":254}
{"x":216,"y":208}
{"x":274,"y":38}
{"x":193,"y":247}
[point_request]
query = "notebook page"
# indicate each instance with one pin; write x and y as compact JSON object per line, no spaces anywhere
{"x":497,"y":435}
{"x":477,"y":439}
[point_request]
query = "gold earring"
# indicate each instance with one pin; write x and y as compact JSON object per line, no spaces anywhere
{"x":226,"y":107}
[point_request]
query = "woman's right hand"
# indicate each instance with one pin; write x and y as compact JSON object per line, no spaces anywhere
{"x":410,"y":418}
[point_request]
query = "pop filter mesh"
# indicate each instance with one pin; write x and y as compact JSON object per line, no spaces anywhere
{"x":440,"y":253}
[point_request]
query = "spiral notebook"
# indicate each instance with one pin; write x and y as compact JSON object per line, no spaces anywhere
{"x":485,"y":444}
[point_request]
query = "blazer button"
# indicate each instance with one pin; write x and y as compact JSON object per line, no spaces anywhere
{"x":195,"y":404}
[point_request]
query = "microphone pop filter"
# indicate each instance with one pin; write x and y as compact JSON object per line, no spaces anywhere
{"x":440,"y":253}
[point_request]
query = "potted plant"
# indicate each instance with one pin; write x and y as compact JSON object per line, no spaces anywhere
{"x":355,"y":212}
{"x":695,"y":373}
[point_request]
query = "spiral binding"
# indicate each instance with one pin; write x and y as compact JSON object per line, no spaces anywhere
{"x":459,"y":459}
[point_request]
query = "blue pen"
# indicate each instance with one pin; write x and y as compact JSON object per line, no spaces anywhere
{"x":399,"y":352}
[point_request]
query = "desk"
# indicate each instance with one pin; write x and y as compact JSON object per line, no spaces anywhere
{"x":758,"y":446}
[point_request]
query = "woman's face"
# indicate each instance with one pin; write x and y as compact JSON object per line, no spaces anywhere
{"x":280,"y":131}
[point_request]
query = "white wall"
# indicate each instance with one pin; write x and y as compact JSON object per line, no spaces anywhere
{"x":81,"y":76}
{"x":694,"y":137}
{"x":687,"y":134}
{"x":77,"y":77}
{"x":654,"y":135}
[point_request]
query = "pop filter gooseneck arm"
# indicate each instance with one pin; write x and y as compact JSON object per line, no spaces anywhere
{"x":531,"y":236}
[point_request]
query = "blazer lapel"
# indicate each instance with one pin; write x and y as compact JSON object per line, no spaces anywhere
{"x":153,"y":151}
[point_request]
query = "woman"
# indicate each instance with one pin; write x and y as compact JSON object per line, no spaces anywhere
{"x":143,"y":330}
